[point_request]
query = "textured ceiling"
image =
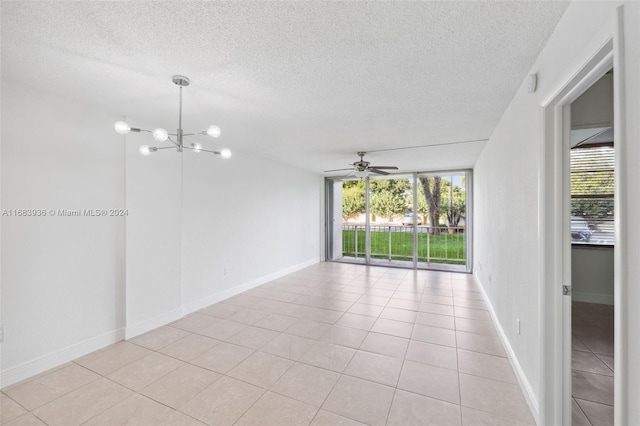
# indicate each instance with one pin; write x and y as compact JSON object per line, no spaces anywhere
{"x":306,"y":83}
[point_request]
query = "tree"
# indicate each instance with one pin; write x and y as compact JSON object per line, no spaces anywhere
{"x":432,"y":188}
{"x":353,"y":201}
{"x":386,"y":204}
{"x":453,"y":201}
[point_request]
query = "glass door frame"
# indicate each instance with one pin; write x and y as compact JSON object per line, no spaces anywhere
{"x":330,"y":219}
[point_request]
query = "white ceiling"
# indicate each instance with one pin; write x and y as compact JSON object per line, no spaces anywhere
{"x":306,"y":83}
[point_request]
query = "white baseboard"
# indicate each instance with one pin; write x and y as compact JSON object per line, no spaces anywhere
{"x":152,"y":323}
{"x":57,"y":358}
{"x":529,"y":395}
{"x":225,"y":294}
{"x":602,"y":299}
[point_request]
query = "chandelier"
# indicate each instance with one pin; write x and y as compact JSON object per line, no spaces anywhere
{"x":161,"y":135}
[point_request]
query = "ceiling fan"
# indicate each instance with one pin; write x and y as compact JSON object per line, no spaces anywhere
{"x":362,"y":168}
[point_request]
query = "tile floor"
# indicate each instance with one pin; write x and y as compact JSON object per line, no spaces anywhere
{"x":592,"y":364}
{"x":333,"y":344}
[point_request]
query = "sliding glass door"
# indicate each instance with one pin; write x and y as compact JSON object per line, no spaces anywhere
{"x":418,"y":220}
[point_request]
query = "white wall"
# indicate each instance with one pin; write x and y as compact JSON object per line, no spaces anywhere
{"x":507,"y":192}
{"x":71,"y":285}
{"x":592,"y":274}
{"x":253,"y":216}
{"x":62,"y":277}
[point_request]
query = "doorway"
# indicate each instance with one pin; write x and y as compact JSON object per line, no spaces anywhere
{"x":592,"y":203}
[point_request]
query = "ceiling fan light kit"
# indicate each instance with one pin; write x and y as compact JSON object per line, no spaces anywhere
{"x":162,"y":135}
{"x":362,"y":169}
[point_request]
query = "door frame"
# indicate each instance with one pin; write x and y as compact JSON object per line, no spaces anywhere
{"x":554,"y":231}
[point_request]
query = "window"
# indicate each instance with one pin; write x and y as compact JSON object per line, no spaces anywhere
{"x":592,"y":180}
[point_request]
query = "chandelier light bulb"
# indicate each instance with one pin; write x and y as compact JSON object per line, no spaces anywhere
{"x":122,"y":127}
{"x":361,"y":174}
{"x":225,"y":153}
{"x":145,"y":150}
{"x":196,"y":147}
{"x":214,"y":131}
{"x":160,"y":135}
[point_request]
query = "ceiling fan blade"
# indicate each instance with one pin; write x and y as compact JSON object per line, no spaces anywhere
{"x":338,"y":170}
{"x":375,"y":170}
{"x":384,"y":167}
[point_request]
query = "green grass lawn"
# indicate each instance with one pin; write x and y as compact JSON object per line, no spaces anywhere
{"x":443,"y":248}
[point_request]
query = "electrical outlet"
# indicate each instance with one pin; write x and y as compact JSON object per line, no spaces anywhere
{"x":518,"y":326}
{"x":2,"y":334}
{"x":226,"y":271}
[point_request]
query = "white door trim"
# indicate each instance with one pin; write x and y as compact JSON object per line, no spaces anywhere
{"x":554,"y":231}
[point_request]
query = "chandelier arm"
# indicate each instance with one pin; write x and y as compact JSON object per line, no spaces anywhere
{"x":163,"y":147}
{"x":172,"y":141}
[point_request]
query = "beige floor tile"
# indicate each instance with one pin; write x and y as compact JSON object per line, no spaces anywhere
{"x":393,"y":328}
{"x":327,"y":418}
{"x":364,"y":309}
{"x":274,"y":409}
{"x":222,"y":329}
{"x":309,"y":329}
{"x":434,"y":382}
{"x":436,"y":308}
{"x":275,"y":322}
{"x":180,"y":386}
{"x":48,"y":387}
{"x":306,"y":383}
{"x":471,"y":417}
{"x":597,"y":414}
{"x":253,"y":337}
{"x":247,"y":316}
{"x":374,"y":300}
{"x":437,"y":335}
{"x":288,"y":346}
{"x":159,"y":338}
{"x":194,"y":322}
{"x":385,"y":344}
{"x":436,"y":320}
{"x":440,"y":300}
{"x":487,"y":366}
{"x":374,"y":367}
{"x":360,"y":400}
{"x":578,"y":418}
{"x":469,"y":303}
{"x":360,"y":322}
{"x":273,"y":305}
{"x":344,"y":336}
{"x":223,"y":402}
{"x":190,"y":347}
{"x":135,"y":410}
{"x":222,"y":357}
{"x":27,"y":419}
{"x":261,"y":369}
{"x":472,"y":313}
{"x":243,"y":300}
{"x":431,"y":354}
{"x":480,"y":343}
{"x":145,"y":371}
{"x":499,"y":398}
{"x":589,"y":363}
{"x":468,"y":295}
{"x":476,"y":326}
{"x":180,"y":419}
{"x":83,"y":403}
{"x":326,"y":355}
{"x":592,"y":387}
{"x":403,"y":304}
{"x":599,"y":345}
{"x":412,"y":409}
{"x":220,"y":310}
{"x":112,"y":357}
{"x":9,"y":409}
{"x":405,"y":315}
